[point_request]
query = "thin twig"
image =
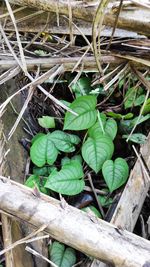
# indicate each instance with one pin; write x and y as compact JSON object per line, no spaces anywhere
{"x":35,"y":253}
{"x":26,"y":239}
{"x":95,"y":194}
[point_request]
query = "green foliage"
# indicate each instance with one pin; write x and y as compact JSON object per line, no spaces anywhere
{"x":115,"y":173}
{"x":105,"y":201}
{"x":108,"y":127}
{"x":43,"y":171}
{"x":136,"y":138}
{"x":82,"y":86}
{"x":69,"y":180}
{"x":84,"y":106}
{"x":35,"y":181}
{"x":37,"y":136}
{"x":119,"y":116}
{"x":45,"y":148}
{"x":67,"y":160}
{"x":127,"y":125}
{"x":40,"y":53}
{"x":46,"y":122}
{"x":62,"y":256}
{"x":93,"y":210}
{"x":43,"y":151}
{"x":63,"y":141}
{"x":96,"y":150}
{"x":146,"y":109}
{"x":134,"y":97}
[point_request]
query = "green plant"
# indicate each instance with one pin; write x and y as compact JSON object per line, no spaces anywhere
{"x":96,"y":150}
{"x":136,"y":138}
{"x":69,"y":180}
{"x":62,"y":256}
{"x":45,"y":148}
{"x":46,"y":122}
{"x":90,"y":150}
{"x":134,"y":97}
{"x":115,"y":173}
{"x":85,"y":107}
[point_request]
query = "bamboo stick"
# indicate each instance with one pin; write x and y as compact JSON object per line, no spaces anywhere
{"x":73,"y":227}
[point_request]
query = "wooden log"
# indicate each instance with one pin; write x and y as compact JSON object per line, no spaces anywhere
{"x":73,"y":227}
{"x":131,"y":17}
{"x":26,"y":20}
{"x":68,"y":63}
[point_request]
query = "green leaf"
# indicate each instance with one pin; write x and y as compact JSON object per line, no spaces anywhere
{"x":109,"y":127}
{"x":37,"y":136}
{"x":46,"y":122}
{"x":67,"y":160}
{"x":40,"y":52}
{"x":146,"y":107}
{"x":34,"y":180}
{"x":82,"y":86}
{"x":105,"y":201}
{"x":115,"y":173}
{"x":139,"y":100}
{"x":63,"y":141}
{"x":93,"y":209}
{"x":133,"y":97}
{"x":43,"y":151}
{"x":61,"y":256}
{"x":84,"y":106}
{"x":95,"y":151}
{"x":43,"y":171}
{"x":119,"y":116}
{"x":127,"y":125}
{"x":68,"y":180}
{"x":136,"y":138}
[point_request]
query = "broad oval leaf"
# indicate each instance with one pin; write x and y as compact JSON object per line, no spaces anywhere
{"x":84,"y":106}
{"x":109,"y":128}
{"x":95,"y":151}
{"x":68,"y":181}
{"x":63,"y":141}
{"x":46,"y":122}
{"x":136,"y":138}
{"x":61,"y":256}
{"x":115,"y":173}
{"x":43,"y":151}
